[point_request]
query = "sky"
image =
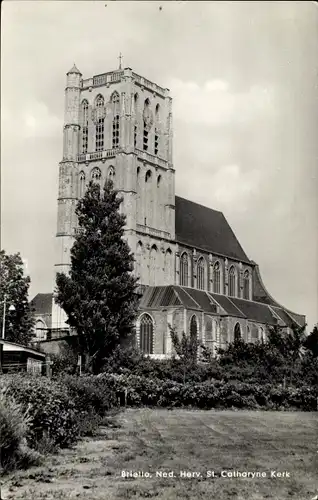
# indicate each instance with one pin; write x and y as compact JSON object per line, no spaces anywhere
{"x":243,"y":77}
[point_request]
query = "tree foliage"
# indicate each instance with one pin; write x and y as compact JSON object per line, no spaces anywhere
{"x":98,"y":295}
{"x":311,"y":342}
{"x":14,"y":287}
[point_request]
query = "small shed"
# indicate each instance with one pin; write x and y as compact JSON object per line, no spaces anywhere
{"x":17,"y":357}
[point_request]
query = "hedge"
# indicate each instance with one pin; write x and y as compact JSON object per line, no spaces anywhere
{"x":142,"y":391}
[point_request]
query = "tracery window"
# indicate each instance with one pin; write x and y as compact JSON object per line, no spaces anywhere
{"x":99,"y":138}
{"x":146,"y":334}
{"x":216,"y":278}
{"x":246,"y":285}
{"x":232,"y":282}
{"x":201,"y":274}
{"x":84,"y":126}
{"x":146,"y":130}
{"x":184,"y":270}
{"x":116,"y":132}
{"x":96,"y":174}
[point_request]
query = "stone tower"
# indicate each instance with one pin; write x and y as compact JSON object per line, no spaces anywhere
{"x":119,"y":125}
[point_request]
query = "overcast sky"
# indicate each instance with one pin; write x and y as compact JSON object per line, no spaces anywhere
{"x":243,"y":77}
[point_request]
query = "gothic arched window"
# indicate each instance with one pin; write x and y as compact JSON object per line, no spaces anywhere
{"x":81,"y":185}
{"x":139,"y":261}
{"x":209,"y":333}
{"x":153,"y":265}
{"x":111,"y":174}
{"x":217,"y":278}
{"x":99,"y":139}
{"x":40,"y":330}
{"x":246,"y":285}
{"x":168,"y":267}
{"x":148,"y":175}
{"x":261,"y":334}
{"x":184,"y":270}
{"x":96,"y":174}
{"x":84,"y":126}
{"x":194,"y":326}
{"x":146,"y":334}
{"x":237,"y":332}
{"x":232,"y":282}
{"x":116,"y":131}
{"x":158,"y":180}
{"x":201,"y":274}
{"x":146,"y":130}
{"x":115,"y":103}
{"x":254,"y":334}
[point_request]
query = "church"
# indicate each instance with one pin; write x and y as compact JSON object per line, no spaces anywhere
{"x":193,"y":273}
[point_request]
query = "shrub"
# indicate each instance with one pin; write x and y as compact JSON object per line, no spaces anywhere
{"x":52,"y":413}
{"x":154,"y":392}
{"x":14,"y":424}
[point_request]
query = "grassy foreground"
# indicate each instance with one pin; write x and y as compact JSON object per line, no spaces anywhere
{"x":155,"y":441}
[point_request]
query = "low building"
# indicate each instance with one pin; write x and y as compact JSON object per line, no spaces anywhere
{"x":16,"y":357}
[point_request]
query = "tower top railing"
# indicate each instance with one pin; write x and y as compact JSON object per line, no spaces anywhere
{"x":117,"y":75}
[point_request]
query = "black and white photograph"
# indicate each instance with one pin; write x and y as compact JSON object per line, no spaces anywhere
{"x":159,"y":250}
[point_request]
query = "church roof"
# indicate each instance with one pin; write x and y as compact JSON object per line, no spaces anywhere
{"x":202,"y":227}
{"x":42,"y":303}
{"x":157,"y":297}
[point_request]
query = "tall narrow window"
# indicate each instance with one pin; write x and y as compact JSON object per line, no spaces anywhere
{"x":96,"y":174}
{"x":146,"y":334}
{"x":246,"y":285}
{"x":193,"y":327}
{"x":237,"y":332}
{"x":115,"y":103}
{"x":99,"y":138}
{"x":184,"y":270}
{"x":111,"y":174}
{"x":116,"y":132}
{"x":156,"y":141}
{"x":209,"y":333}
{"x":232,"y":282}
{"x":81,"y":185}
{"x":84,"y":126}
{"x":201,"y":274}
{"x":135,"y":136}
{"x":147,"y":122}
{"x":216,"y":278}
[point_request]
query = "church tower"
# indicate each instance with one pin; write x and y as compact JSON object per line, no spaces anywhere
{"x":118,"y":125}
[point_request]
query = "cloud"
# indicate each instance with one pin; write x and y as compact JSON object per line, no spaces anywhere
{"x":214,"y":103}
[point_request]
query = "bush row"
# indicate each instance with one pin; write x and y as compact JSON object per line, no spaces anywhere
{"x":137,"y":390}
{"x":43,"y":414}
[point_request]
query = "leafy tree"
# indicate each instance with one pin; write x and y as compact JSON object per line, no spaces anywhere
{"x":186,"y":348}
{"x":98,"y":295}
{"x":14,"y":287}
{"x":311,"y":342}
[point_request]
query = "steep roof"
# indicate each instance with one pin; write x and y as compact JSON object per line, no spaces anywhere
{"x":75,"y":70}
{"x":202,"y":227}
{"x":42,"y":303}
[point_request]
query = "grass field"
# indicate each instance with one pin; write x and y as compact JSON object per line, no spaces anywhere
{"x":170,"y":441}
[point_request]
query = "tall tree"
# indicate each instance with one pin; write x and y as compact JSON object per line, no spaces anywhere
{"x":311,"y":342}
{"x":98,"y":295}
{"x":14,"y":287}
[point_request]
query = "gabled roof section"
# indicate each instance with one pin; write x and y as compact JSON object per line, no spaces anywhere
{"x":160,"y":296}
{"x":227,"y":305}
{"x":202,"y":227}
{"x":255,"y":311}
{"x":42,"y":303}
